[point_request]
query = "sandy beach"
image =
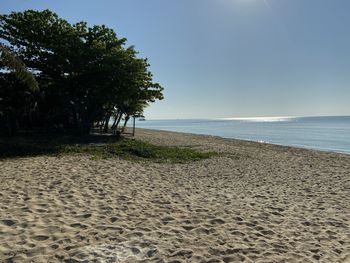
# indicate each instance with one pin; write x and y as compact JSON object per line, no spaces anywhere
{"x":253,"y":203}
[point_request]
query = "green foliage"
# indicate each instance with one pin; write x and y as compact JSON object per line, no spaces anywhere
{"x":98,"y":147}
{"x":10,"y":61}
{"x":135,"y":149}
{"x":86,"y":75}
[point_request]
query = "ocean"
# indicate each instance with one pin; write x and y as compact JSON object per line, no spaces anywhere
{"x":320,"y":133}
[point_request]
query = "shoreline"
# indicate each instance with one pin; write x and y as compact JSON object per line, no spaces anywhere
{"x":317,"y":133}
{"x":248,"y":140}
{"x":254,"y":203}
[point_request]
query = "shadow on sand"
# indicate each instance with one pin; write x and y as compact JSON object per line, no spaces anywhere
{"x":26,"y":145}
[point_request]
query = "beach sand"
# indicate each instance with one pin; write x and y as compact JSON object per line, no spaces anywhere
{"x":254,"y":203}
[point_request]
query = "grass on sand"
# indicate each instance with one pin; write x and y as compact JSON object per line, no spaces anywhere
{"x":98,"y":146}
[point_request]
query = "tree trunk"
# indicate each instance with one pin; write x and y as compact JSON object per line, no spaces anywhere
{"x":105,"y":129}
{"x":115,"y":120}
{"x":119,"y":118}
{"x":75,"y":118}
{"x":127,"y":117}
{"x":102,"y":123}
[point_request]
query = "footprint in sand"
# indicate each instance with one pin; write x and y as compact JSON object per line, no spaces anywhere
{"x":113,"y":219}
{"x":8,"y":222}
{"x":188,"y":228}
{"x":78,"y":225}
{"x":217,"y":221}
{"x":40,"y":238}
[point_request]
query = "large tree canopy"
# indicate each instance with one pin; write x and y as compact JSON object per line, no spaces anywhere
{"x":10,"y":61}
{"x":86,"y":75}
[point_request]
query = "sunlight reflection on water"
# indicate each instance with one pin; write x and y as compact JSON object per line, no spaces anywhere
{"x":321,"y":133}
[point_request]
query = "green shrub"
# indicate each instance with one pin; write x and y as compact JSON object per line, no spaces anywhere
{"x":134,"y":149}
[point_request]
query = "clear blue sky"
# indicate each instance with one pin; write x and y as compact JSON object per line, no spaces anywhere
{"x":230,"y":58}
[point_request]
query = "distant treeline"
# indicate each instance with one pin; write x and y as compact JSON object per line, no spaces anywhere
{"x":83,"y":76}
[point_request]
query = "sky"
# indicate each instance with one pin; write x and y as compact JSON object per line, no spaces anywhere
{"x":230,"y":58}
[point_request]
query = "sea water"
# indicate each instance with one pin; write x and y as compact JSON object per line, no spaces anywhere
{"x":320,"y":133}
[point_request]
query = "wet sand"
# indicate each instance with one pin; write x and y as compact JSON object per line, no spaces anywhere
{"x":253,"y":203}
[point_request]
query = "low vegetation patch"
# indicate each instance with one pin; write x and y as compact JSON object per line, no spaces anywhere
{"x":99,"y":147}
{"x":134,"y":149}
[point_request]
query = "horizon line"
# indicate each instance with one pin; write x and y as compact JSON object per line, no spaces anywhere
{"x":247,"y":118}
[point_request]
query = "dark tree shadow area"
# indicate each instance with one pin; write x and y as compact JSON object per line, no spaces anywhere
{"x":96,"y":146}
{"x":27,"y":145}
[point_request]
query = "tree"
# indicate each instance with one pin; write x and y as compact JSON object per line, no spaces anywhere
{"x":85,"y":74}
{"x":10,"y":61}
{"x":14,"y":94}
